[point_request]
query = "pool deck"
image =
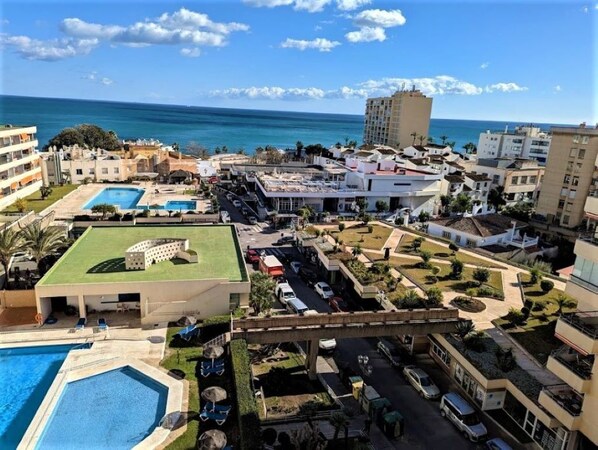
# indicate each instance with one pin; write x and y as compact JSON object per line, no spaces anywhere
{"x":125,"y":343}
{"x":73,"y":203}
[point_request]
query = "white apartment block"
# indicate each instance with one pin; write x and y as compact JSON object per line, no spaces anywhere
{"x":20,"y":172}
{"x":526,"y":142}
{"x":392,"y":120}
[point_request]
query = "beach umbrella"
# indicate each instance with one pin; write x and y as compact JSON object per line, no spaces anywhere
{"x":214,"y":394}
{"x":213,"y":352}
{"x":212,"y":440}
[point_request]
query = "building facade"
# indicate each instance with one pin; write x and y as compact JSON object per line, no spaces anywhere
{"x":20,"y":171}
{"x":527,"y":142}
{"x":571,"y":175}
{"x":393,"y":120}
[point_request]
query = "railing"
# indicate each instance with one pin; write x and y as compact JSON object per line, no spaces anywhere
{"x":576,"y":321}
{"x":566,"y":397}
{"x":576,"y":363}
{"x":589,"y":236}
{"x":584,"y":284}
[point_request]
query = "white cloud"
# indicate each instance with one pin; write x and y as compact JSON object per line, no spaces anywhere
{"x":350,"y":5}
{"x":91,"y":76}
{"x":484,"y":65}
{"x":192,"y":52}
{"x":50,"y":50}
{"x":366,"y":34}
{"x":106,"y":81}
{"x":380,"y":18}
{"x":94,"y":78}
{"x":320,"y":44}
{"x":310,"y":6}
{"x":558,"y":88}
{"x":317,"y":28}
{"x":271,"y":93}
{"x":438,"y":85}
{"x":505,"y":87}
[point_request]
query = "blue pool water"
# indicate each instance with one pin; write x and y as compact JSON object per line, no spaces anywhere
{"x":176,"y":205}
{"x":25,"y":376}
{"x":124,"y":198}
{"x":112,"y":410}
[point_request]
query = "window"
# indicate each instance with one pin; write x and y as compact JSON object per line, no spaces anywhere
{"x":575,"y":181}
{"x":561,"y":203}
{"x":116,"y":170}
{"x":523,"y":180}
{"x":565,"y":220}
{"x":566,"y":179}
{"x":441,"y":354}
{"x":568,"y":207}
{"x":477,"y":186}
{"x":514,"y":180}
{"x":582,"y":153}
{"x":576,"y":139}
{"x":92,"y":171}
{"x":533,"y":179}
{"x":496,"y":179}
{"x":470,"y":243}
{"x":446,"y":234}
{"x":457,"y":239}
{"x":564,"y":192}
{"x":572,"y":193}
{"x":234,"y":300}
{"x":578,"y":167}
{"x":569,"y":166}
{"x":486,"y":184}
{"x":585,"y":139}
{"x":572,"y":153}
{"x":105,"y":170}
{"x":79,"y":171}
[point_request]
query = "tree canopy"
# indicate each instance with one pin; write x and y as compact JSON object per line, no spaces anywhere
{"x":85,"y":135}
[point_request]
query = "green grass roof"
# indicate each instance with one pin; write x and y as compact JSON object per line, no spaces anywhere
{"x":98,"y":256}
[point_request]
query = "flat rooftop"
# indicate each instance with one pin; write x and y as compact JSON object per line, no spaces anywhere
{"x":98,"y":256}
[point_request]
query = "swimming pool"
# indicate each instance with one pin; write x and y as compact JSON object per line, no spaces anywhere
{"x":26,"y":375}
{"x":175,"y":205}
{"x":124,"y":198}
{"x":111,"y":410}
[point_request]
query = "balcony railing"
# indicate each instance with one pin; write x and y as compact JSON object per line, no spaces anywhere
{"x":586,"y":322}
{"x":590,"y":236}
{"x":566,"y":397}
{"x":577,"y":363}
{"x":584,"y":284}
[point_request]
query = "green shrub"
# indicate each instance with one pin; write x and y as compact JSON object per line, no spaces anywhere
{"x":249,"y":422}
{"x":525,"y":312}
{"x":485,"y":291}
{"x":370,"y":228}
{"x":538,"y":306}
{"x":515,"y":316}
{"x":341,"y":227}
{"x":472,"y":292}
{"x":546,"y":286}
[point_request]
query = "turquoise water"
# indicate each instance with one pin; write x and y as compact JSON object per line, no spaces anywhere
{"x":113,"y":410}
{"x":124,"y":198}
{"x":26,"y":374}
{"x":175,"y":205}
{"x":212,"y":127}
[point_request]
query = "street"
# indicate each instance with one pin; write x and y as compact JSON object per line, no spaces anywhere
{"x":424,"y":427}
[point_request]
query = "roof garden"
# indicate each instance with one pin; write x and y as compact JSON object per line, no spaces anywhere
{"x":98,"y":256}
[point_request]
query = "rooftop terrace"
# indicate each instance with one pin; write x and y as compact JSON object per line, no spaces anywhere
{"x":98,"y":256}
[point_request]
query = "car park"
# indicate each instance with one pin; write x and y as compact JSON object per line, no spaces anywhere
{"x":295,"y":266}
{"x":463,"y":416}
{"x":284,"y":292}
{"x":422,"y":382}
{"x":324,"y":290}
{"x":252,"y":220}
{"x":390,"y":352}
{"x":308,"y":276}
{"x":338,"y":304}
{"x":497,"y":444}
{"x":236,"y":203}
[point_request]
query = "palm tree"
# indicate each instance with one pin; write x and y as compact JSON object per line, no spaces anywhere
{"x":464,"y":328}
{"x":443,"y":138}
{"x":413,"y":135}
{"x":421,"y":139}
{"x":11,"y":242}
{"x":562,"y":301}
{"x":356,"y":251}
{"x":337,"y":420}
{"x":42,"y":242}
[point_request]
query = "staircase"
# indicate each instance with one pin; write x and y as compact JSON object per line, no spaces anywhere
{"x":220,"y":341}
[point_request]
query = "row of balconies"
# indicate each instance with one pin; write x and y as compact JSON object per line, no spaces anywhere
{"x":14,"y":140}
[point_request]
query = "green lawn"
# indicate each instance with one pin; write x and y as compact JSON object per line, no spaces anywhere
{"x":185,"y":359}
{"x":35,"y":202}
{"x":98,"y":256}
{"x":440,"y":251}
{"x":360,"y":235}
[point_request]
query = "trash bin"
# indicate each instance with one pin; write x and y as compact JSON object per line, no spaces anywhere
{"x":356,"y":384}
{"x":378,"y":408}
{"x":366,"y":396}
{"x":393,"y":424}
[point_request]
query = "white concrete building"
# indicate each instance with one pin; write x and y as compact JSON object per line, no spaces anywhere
{"x":526,"y":142}
{"x":20,"y":172}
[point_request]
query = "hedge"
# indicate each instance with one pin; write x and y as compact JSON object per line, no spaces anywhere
{"x":247,"y":413}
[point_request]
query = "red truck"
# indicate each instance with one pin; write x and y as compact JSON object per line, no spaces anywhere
{"x":271,"y":266}
{"x":252,"y":256}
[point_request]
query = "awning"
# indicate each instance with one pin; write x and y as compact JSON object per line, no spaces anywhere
{"x":277,"y":273}
{"x":24,"y":137}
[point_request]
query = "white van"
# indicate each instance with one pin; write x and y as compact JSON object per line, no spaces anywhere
{"x":284,"y":292}
{"x":463,"y":416}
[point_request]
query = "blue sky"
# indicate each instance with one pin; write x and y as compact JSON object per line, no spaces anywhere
{"x":517,"y":61}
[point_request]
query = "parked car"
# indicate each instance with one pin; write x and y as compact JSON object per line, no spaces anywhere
{"x":236,"y":203}
{"x":284,"y":292}
{"x":463,"y":416}
{"x":244,"y":211}
{"x":497,"y":444}
{"x":284,"y":240}
{"x":390,"y":352}
{"x":421,"y":382}
{"x":252,"y":220}
{"x":327,"y":345}
{"x":296,"y":306}
{"x":338,"y":304}
{"x":308,"y":276}
{"x":295,"y":266}
{"x":324,"y":290}
{"x":252,"y":256}
{"x":229,"y":197}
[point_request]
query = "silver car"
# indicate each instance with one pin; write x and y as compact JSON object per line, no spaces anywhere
{"x":421,"y":382}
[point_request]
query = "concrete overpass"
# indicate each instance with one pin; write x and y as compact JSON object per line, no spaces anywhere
{"x":312,"y":328}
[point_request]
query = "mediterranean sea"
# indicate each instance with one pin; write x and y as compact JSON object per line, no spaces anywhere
{"x":214,"y":127}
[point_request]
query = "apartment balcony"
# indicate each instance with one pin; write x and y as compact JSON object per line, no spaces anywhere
{"x":564,"y":404}
{"x":591,"y":206}
{"x":522,"y":242}
{"x":579,"y":330}
{"x":572,"y":367}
